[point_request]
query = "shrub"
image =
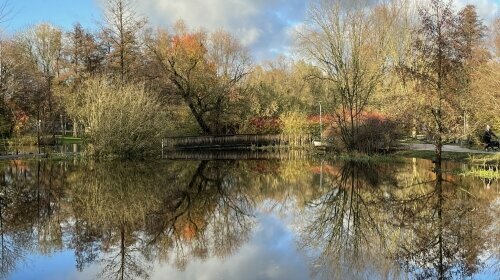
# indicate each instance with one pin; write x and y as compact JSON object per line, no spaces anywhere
{"x":262,"y":125}
{"x":294,"y":123}
{"x":377,"y":133}
{"x":296,"y":128}
{"x":123,"y":121}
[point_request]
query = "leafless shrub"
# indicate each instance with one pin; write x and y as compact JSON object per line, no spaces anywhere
{"x":120,"y":120}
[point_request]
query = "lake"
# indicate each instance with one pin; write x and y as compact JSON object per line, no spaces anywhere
{"x":283,"y":218}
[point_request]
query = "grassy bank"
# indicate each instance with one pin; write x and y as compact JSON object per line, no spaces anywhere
{"x":453,"y":156}
{"x":482,"y":173}
{"x":485,"y":166}
{"x":70,"y":140}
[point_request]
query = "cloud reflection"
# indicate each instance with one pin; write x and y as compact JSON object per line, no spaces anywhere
{"x":270,"y":254}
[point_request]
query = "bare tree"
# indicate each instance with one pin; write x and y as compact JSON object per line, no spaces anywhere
{"x":5,"y":11}
{"x":348,"y":44}
{"x":40,"y":48}
{"x":496,"y":34}
{"x":120,"y":31}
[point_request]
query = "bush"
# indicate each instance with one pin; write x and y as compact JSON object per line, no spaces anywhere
{"x":294,"y":123}
{"x":119,"y":120}
{"x":262,"y":125}
{"x":296,"y":128}
{"x":377,"y":133}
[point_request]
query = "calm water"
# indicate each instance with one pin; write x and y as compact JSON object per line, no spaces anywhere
{"x":255,"y":219}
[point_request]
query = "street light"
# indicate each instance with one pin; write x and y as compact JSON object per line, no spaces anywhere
{"x":38,"y":128}
{"x":320,"y":124}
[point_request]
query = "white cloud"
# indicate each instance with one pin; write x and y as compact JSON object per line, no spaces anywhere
{"x":270,"y":254}
{"x":249,"y":36}
{"x":264,"y":26}
{"x":260,"y":25}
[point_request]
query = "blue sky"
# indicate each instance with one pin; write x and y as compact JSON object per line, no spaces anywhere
{"x":62,"y":13}
{"x":265,"y":26}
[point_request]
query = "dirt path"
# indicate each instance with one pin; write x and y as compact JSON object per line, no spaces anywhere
{"x":446,"y":148}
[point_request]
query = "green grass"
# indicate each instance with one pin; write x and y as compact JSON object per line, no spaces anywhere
{"x":486,"y":159}
{"x":364,"y":158}
{"x":482,"y":173}
{"x":448,"y":156}
{"x":71,"y":140}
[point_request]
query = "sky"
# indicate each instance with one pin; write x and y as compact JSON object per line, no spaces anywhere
{"x":266,"y":27}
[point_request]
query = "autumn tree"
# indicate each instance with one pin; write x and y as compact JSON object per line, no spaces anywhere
{"x":485,"y":88}
{"x":231,"y":63}
{"x":436,"y":68}
{"x":7,"y":114}
{"x":283,"y":85}
{"x":83,"y":53}
{"x":485,"y":85}
{"x":470,"y":34}
{"x":278,"y":89}
{"x":206,"y":70}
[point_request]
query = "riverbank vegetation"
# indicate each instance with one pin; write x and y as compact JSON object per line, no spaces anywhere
{"x":380,"y":72}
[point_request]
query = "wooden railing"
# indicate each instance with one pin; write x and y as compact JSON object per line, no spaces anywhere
{"x":234,"y":141}
{"x":234,"y":155}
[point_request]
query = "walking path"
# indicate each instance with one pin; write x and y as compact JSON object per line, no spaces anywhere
{"x":446,"y":148}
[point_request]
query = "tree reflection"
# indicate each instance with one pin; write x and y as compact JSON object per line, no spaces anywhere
{"x":211,"y":215}
{"x":449,"y":231}
{"x":30,"y":216}
{"x":345,"y":224}
{"x":435,"y":226}
{"x":135,"y":214}
{"x":123,"y":216}
{"x":356,"y":220}
{"x":109,"y":202}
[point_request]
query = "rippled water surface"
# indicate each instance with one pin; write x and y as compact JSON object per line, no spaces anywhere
{"x":246,"y":219}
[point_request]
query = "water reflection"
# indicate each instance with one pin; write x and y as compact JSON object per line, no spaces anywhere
{"x":422,"y":225}
{"x":345,"y":224}
{"x":349,"y":220}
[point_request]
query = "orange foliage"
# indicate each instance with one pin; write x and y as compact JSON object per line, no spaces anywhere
{"x":189,"y":231}
{"x":20,"y":165}
{"x":189,"y":44}
{"x":21,"y":119}
{"x":326,"y":169}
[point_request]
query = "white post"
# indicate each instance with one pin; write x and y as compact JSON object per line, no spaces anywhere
{"x":162,"y":148}
{"x":321,"y":176}
{"x":320,"y":125}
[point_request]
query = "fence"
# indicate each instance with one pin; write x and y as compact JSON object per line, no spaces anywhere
{"x":235,"y":141}
{"x":234,"y":155}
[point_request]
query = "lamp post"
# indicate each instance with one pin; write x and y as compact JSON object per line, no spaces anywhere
{"x":38,"y":127}
{"x":320,"y":124}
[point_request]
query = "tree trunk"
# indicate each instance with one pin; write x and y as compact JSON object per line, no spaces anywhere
{"x":199,"y":117}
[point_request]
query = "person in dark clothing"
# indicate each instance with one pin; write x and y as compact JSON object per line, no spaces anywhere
{"x":487,"y":139}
